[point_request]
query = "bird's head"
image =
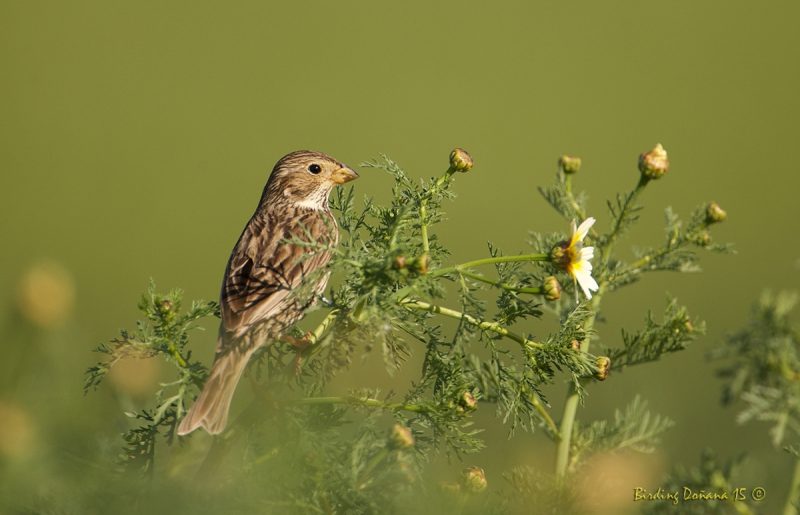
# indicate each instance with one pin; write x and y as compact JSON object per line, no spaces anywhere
{"x":305,"y":179}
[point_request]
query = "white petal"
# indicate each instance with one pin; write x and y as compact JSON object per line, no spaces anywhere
{"x":587,"y":253}
{"x":573,"y":236}
{"x":587,"y":282}
{"x":583,"y":229}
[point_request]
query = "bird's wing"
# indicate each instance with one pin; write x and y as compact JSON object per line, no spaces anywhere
{"x":266,"y":267}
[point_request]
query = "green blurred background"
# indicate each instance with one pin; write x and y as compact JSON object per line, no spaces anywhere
{"x":135,"y":139}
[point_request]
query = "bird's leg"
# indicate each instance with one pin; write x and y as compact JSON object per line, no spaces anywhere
{"x":300,"y":345}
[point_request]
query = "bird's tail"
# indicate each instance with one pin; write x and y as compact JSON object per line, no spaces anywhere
{"x":210,"y":410}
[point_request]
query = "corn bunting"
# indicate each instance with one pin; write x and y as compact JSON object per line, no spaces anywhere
{"x":286,"y":241}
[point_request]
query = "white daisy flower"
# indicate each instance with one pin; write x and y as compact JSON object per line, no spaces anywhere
{"x":576,"y":259}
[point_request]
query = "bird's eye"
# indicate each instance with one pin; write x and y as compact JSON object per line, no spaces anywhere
{"x":314,"y":168}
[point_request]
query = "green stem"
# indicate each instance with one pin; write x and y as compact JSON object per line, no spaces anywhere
{"x":629,"y":201}
{"x":489,"y":261}
{"x":573,"y":399}
{"x":423,"y":217}
{"x":639,"y":264}
{"x":316,"y":336}
{"x":498,"y":284}
{"x":794,"y":491}
{"x":364,"y":401}
{"x":572,"y":201}
{"x":481,"y":324}
{"x":423,"y":207}
{"x":173,"y":350}
{"x":548,"y":420}
{"x":323,"y":327}
{"x":370,"y":467}
{"x":460,"y":269}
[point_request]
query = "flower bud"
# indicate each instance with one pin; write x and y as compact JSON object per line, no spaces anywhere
{"x":474,"y":479}
{"x":569,"y":164}
{"x":166,"y":309}
{"x":460,"y":160}
{"x":715,"y":214}
{"x":703,"y":239}
{"x":468,"y":402}
{"x":655,"y":163}
{"x":559,"y":255}
{"x":399,"y":263}
{"x":603,"y":367}
{"x":401,"y":437}
{"x":551,"y":288}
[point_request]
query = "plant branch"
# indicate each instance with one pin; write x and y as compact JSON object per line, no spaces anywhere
{"x":481,"y":324}
{"x":548,"y":420}
{"x":626,"y":206}
{"x":423,"y":207}
{"x":364,"y":401}
{"x":489,"y":261}
{"x":498,"y":284}
{"x":573,"y":397}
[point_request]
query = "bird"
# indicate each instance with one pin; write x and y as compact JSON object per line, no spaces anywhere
{"x":282,"y":251}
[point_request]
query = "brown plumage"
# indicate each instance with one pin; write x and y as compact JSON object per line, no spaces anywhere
{"x":270,"y":280}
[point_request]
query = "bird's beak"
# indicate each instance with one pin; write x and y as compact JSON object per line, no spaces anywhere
{"x":343,"y":175}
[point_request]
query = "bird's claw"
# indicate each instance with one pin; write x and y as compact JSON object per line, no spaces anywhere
{"x":300,"y":345}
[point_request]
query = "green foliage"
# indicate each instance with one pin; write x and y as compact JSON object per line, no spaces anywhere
{"x":761,"y":367}
{"x":673,"y":334}
{"x":531,"y":492}
{"x":634,"y":428}
{"x":165,"y":334}
{"x":298,"y":447}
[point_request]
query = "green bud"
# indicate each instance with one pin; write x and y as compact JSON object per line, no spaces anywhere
{"x":569,"y":164}
{"x":603,"y":367}
{"x":655,"y":163}
{"x":468,"y":402}
{"x":474,"y":479}
{"x":559,"y":255}
{"x":552,"y":288}
{"x":703,"y":239}
{"x":715,"y":214}
{"x":401,"y":437}
{"x":460,"y":160}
